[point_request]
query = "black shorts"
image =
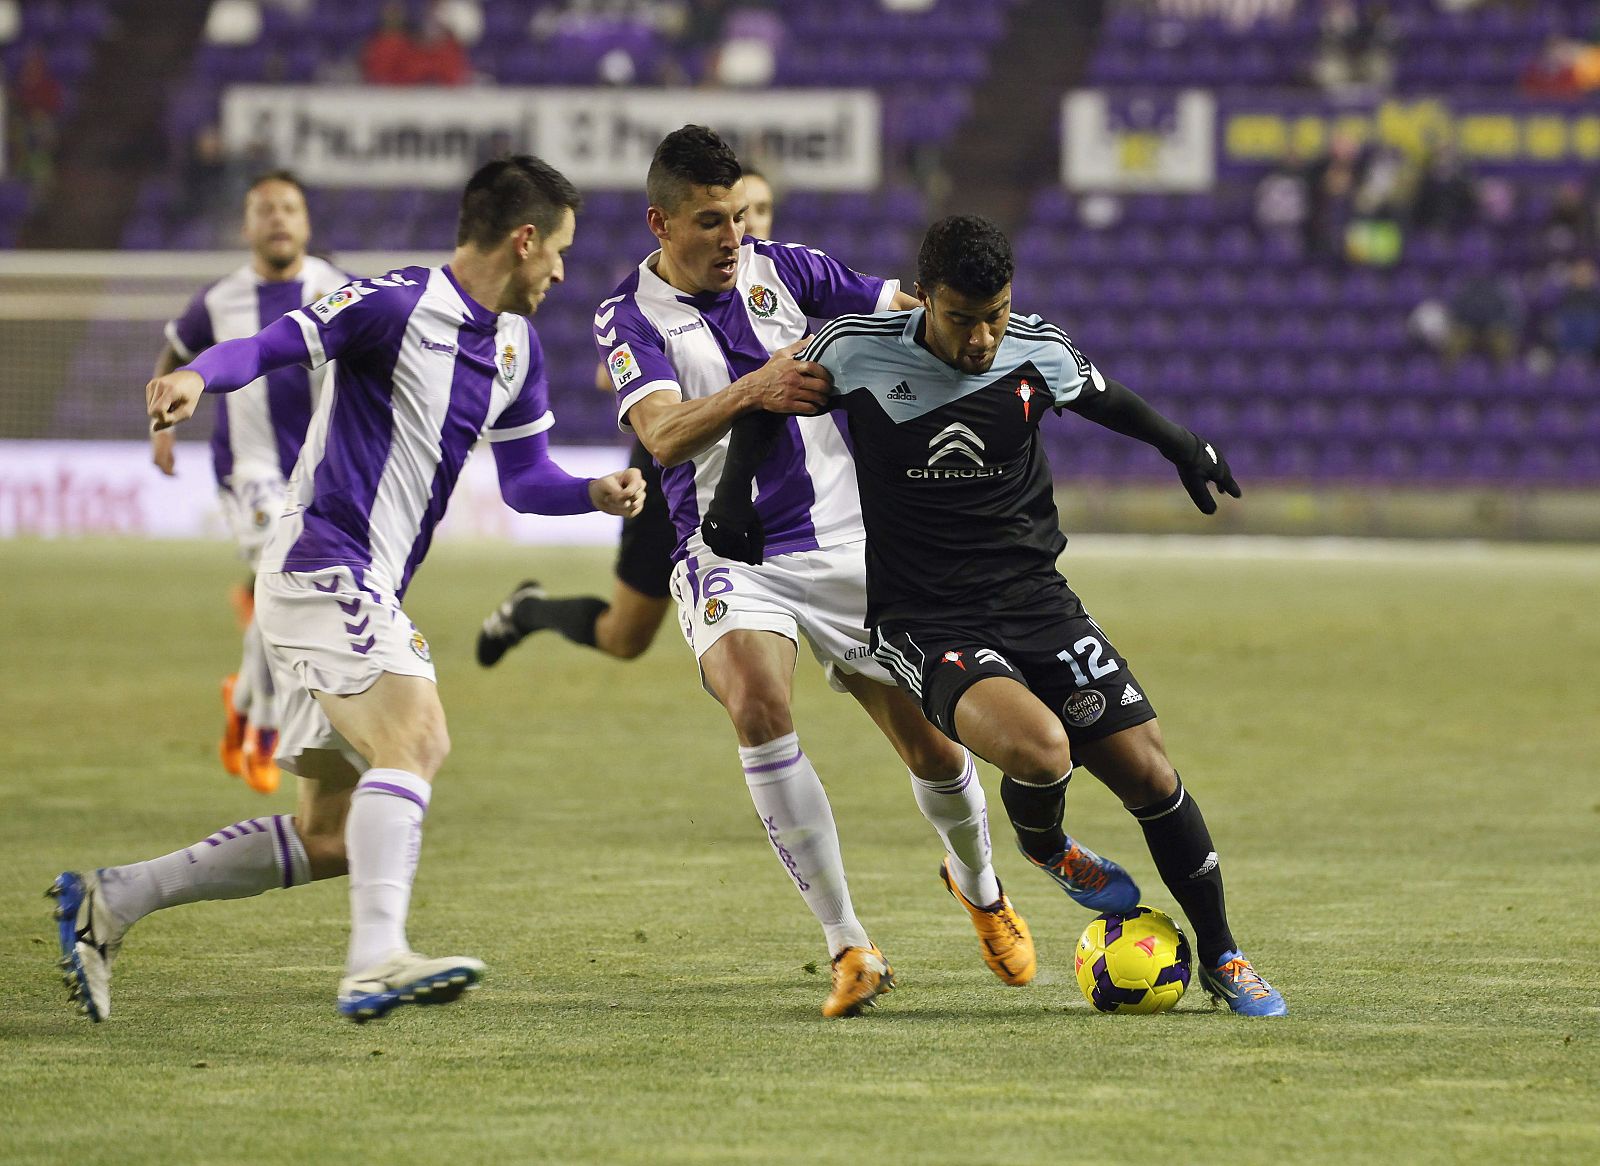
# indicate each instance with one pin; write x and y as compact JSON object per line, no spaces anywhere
{"x":644,"y":554}
{"x":1054,"y":648}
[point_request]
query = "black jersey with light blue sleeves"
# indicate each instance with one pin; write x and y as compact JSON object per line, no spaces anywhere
{"x":956,"y":493}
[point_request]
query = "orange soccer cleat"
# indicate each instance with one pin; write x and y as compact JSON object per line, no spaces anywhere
{"x":1002,"y":934}
{"x":233,"y":731}
{"x":260,"y":770}
{"x":860,"y":976}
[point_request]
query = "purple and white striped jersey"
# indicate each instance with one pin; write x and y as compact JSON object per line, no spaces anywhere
{"x":261,"y":427}
{"x":423,"y":372}
{"x":653,"y":337}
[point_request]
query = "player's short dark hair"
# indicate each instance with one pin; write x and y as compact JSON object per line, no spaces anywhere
{"x":689,"y":157}
{"x":511,"y":191}
{"x":968,"y":254}
{"x":267,"y":176}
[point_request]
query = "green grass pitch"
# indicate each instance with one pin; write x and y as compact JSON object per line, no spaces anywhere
{"x":1396,"y":754}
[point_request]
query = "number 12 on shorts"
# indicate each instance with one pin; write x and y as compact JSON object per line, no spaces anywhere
{"x":1092,"y":653}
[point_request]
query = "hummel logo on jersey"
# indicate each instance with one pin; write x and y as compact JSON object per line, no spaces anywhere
{"x":438,"y":346}
{"x":1131,"y":695}
{"x":902,"y":392}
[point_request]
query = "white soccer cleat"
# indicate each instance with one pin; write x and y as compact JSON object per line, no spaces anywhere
{"x":406,"y":978}
{"x":90,"y":939}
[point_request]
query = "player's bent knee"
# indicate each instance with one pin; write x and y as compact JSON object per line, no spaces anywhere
{"x":1041,"y":759}
{"x":759,"y":716}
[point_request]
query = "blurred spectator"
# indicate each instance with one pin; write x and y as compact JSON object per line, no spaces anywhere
{"x":36,"y":101}
{"x":1283,"y":199}
{"x":752,"y":37}
{"x":1566,"y":68}
{"x":1355,"y":49}
{"x":1569,"y":229}
{"x":1572,"y":325}
{"x":1485,"y":316}
{"x":1446,"y":196}
{"x":401,"y":54}
{"x":1332,"y":182}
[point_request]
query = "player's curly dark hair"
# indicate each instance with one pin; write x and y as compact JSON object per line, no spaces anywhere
{"x":968,"y":254}
{"x":689,"y":157}
{"x":510,"y":191}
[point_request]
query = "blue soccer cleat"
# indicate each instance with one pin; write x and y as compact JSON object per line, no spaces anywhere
{"x":1093,"y":882}
{"x":406,"y":978}
{"x":1238,"y":985}
{"x":90,"y":940}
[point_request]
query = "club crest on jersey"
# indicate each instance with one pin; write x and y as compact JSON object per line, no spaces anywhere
{"x":715,"y":609}
{"x":508,"y":361}
{"x":953,"y":658}
{"x":1084,"y":708}
{"x":1025,"y":391}
{"x":622,"y":367}
{"x":420,"y":647}
{"x":762,"y":300}
{"x":335,"y":302}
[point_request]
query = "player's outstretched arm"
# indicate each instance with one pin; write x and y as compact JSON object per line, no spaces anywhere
{"x":531,"y":483}
{"x":1199,"y":463}
{"x":676,"y":430}
{"x":223,"y":368}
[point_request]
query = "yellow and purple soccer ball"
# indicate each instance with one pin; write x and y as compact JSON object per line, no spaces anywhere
{"x":1134,"y":961}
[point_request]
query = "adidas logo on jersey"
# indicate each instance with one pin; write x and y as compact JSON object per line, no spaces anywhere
{"x":902,"y":392}
{"x":1131,"y":695}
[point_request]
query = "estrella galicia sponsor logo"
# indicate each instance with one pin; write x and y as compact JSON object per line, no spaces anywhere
{"x":1083,"y":709}
{"x":902,"y":392}
{"x":762,"y":301}
{"x":715,"y":609}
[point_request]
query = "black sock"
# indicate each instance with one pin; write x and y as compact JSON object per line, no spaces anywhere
{"x":574,"y":618}
{"x":1035,"y":813}
{"x":1176,"y":833}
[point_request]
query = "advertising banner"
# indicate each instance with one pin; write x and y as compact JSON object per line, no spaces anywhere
{"x":69,"y":489}
{"x":1116,"y":141}
{"x":817,"y":139}
{"x":1503,"y":134}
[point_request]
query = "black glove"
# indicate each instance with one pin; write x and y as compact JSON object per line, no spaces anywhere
{"x":1203,"y":465}
{"x":733,"y":530}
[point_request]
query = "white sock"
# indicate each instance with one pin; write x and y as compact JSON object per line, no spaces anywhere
{"x":236,"y":862}
{"x":795,"y":813}
{"x":956,"y":809}
{"x":255,"y":677}
{"x":382,"y":838}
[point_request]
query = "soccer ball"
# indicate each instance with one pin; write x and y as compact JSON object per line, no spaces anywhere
{"x":1135,"y":961}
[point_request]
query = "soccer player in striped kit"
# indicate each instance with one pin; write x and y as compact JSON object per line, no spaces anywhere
{"x":429,"y":361}
{"x":701,"y":333}
{"x":258,"y":430}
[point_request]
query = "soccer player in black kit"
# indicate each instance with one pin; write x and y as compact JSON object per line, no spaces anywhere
{"x":966,"y":606}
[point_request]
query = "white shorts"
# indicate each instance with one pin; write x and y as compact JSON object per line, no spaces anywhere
{"x":252,"y":503}
{"x":329,"y":631}
{"x":819,"y":594}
